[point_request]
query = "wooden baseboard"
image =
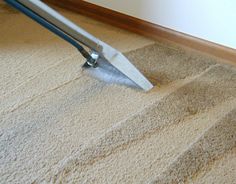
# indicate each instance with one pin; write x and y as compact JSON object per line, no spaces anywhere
{"x":145,"y":28}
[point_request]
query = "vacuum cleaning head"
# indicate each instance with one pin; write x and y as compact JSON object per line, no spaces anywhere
{"x":113,"y":67}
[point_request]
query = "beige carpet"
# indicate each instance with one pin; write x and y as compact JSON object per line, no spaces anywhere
{"x":60,"y":125}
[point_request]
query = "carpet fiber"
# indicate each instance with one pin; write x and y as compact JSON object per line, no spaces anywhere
{"x":60,"y":125}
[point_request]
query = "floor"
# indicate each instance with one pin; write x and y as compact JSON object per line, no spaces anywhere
{"x":60,"y":125}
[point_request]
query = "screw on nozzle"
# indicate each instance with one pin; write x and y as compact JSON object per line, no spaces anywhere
{"x":92,"y":60}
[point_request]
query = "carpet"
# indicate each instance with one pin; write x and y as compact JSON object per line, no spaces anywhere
{"x":60,"y":125}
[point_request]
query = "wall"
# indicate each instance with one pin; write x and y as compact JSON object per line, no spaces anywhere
{"x":212,"y":20}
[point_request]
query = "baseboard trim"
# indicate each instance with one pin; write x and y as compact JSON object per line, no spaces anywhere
{"x":146,"y":28}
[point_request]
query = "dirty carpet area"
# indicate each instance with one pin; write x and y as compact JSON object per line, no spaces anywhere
{"x":60,"y":125}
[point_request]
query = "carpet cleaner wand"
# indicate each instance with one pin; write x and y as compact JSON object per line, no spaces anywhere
{"x":100,"y":53}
